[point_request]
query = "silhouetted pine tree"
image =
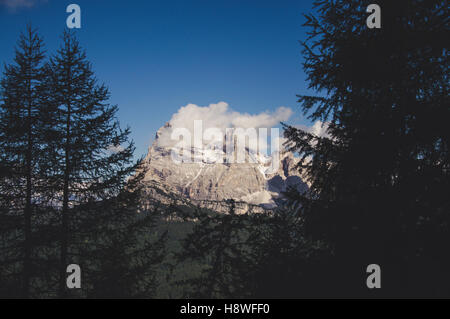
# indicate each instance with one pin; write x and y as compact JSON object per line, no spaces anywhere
{"x":379,"y":177}
{"x":219,"y":243}
{"x":67,"y":171}
{"x":119,"y":245}
{"x":283,"y":258}
{"x":20,"y":140}
{"x":91,"y":155}
{"x":252,"y":255}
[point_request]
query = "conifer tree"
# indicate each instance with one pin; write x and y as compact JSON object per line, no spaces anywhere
{"x":120,"y":247}
{"x":283,"y":259}
{"x":219,"y":242}
{"x":20,"y":140}
{"x":91,"y":155}
{"x":377,"y":178}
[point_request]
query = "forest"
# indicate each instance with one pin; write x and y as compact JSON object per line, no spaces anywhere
{"x":71,"y":191}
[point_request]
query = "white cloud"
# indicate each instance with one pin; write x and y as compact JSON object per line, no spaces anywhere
{"x":114,"y":149}
{"x":319,"y":129}
{"x":221,"y":117}
{"x":216,"y":120}
{"x":14,"y":5}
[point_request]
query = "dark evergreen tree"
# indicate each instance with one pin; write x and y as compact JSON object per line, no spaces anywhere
{"x":20,"y":140}
{"x":91,"y":154}
{"x":253,"y":255}
{"x":219,"y":243}
{"x":119,"y":244}
{"x":67,"y":173}
{"x":379,"y":177}
{"x":283,"y":258}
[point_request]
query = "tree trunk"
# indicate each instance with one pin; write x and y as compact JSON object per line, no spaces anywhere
{"x":27,"y":217}
{"x":64,"y":213}
{"x":27,"y":212}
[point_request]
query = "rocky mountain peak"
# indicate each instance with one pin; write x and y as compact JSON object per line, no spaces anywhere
{"x":211,"y":180}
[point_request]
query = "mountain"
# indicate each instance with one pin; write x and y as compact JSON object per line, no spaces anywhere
{"x":206,"y":180}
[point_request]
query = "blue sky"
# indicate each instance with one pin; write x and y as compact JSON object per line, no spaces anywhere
{"x":156,"y":56}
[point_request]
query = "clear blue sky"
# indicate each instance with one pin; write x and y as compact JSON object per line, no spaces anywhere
{"x":157,"y":56}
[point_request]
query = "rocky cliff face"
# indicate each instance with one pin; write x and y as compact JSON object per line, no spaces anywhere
{"x":251,"y":182}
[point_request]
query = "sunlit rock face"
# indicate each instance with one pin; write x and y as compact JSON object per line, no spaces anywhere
{"x":206,"y":178}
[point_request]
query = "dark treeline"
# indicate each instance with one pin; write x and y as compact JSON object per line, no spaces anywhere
{"x":378,"y":178}
{"x":64,"y":166}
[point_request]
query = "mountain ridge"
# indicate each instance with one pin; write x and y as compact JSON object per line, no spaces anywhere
{"x":251,"y":182}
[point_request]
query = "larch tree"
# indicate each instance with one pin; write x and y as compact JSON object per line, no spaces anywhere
{"x":20,"y":141}
{"x":378,"y":175}
{"x":92,"y":156}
